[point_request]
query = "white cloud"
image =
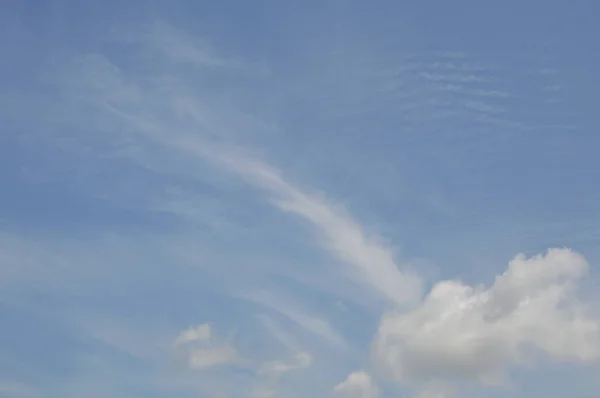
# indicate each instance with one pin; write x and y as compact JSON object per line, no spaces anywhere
{"x":373,"y":263}
{"x":471,"y":333}
{"x":202,"y":352}
{"x":198,"y":333}
{"x":357,"y":385}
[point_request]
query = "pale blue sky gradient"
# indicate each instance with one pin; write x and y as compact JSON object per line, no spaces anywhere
{"x":458,"y":133}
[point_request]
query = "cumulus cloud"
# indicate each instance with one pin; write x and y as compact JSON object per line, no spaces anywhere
{"x":357,"y":385}
{"x":202,"y":352}
{"x":460,"y":332}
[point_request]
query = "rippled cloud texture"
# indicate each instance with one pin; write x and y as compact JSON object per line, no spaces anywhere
{"x":299,"y":199}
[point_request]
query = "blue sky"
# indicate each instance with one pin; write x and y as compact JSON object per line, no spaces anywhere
{"x":288,"y":199}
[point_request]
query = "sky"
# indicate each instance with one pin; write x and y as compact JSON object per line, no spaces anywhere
{"x":332,"y":198}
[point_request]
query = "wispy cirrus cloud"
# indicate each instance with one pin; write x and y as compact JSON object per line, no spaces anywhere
{"x":275,"y":329}
{"x":128,"y":102}
{"x":318,"y":326}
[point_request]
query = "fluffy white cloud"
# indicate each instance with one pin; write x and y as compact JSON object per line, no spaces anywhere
{"x":357,"y":385}
{"x":471,"y":333}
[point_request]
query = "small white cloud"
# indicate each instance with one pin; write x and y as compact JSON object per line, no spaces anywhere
{"x":357,"y":385}
{"x":196,"y":333}
{"x":201,"y":351}
{"x":470,"y":333}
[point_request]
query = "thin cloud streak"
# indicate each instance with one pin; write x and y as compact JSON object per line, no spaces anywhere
{"x":343,"y":236}
{"x":315,"y":325}
{"x":372,"y":263}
